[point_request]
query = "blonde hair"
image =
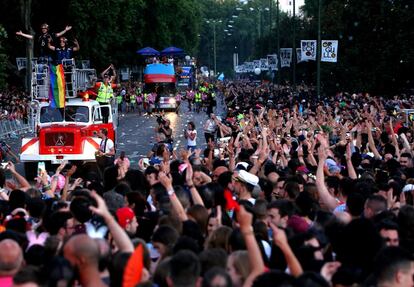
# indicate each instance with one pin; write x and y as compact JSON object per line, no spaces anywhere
{"x":241,"y":263}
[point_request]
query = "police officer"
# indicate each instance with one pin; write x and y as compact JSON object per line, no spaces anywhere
{"x":105,"y":94}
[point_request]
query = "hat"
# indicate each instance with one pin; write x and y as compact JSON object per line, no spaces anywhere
{"x":298,"y":224}
{"x":247,"y":177}
{"x":125,"y":216}
{"x":332,"y":166}
{"x":408,"y":188}
{"x":242,"y":165}
{"x":143,"y":163}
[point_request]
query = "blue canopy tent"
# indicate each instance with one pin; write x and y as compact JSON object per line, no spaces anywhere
{"x":148,"y":51}
{"x":172,"y":51}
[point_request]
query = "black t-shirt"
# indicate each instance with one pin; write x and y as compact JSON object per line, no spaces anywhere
{"x":42,"y":41}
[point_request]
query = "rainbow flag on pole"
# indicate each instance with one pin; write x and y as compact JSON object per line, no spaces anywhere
{"x":57,"y":90}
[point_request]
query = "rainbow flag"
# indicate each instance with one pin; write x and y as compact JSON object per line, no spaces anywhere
{"x":57,"y":90}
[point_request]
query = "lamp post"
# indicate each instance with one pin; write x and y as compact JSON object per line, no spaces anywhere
{"x":214,"y":22}
{"x":278,"y":41}
{"x":318,"y":54}
{"x":294,"y":46}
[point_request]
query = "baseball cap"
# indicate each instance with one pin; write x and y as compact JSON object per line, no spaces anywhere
{"x":125,"y":216}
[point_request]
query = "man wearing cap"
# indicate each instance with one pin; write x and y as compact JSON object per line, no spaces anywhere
{"x":106,"y":92}
{"x":127,"y":220}
{"x":244,"y":182}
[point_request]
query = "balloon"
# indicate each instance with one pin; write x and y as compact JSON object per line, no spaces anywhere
{"x":257,"y":71}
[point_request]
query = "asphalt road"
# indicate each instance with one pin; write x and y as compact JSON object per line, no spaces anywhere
{"x":136,"y":134}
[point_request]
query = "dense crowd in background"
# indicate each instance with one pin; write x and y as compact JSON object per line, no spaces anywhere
{"x":14,"y":104}
{"x":292,"y":190}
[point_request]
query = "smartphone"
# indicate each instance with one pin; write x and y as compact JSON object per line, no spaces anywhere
{"x":4,"y":165}
{"x":41,"y":168}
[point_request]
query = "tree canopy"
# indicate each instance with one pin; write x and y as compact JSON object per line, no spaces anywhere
{"x":375,"y":36}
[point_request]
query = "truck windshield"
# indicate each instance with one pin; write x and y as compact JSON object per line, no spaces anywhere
{"x":70,"y":114}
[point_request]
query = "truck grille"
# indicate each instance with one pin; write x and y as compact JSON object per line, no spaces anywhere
{"x":59,"y":139}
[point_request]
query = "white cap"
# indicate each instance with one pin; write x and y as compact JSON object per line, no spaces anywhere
{"x":408,"y":188}
{"x":247,"y":177}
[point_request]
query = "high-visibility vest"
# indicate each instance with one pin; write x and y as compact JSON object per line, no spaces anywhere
{"x":132,"y":99}
{"x":198,"y":98}
{"x":105,"y":93}
{"x":119,"y":99}
{"x":145,"y":97}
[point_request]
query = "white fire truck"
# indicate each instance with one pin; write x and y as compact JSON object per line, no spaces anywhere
{"x":69,"y":133}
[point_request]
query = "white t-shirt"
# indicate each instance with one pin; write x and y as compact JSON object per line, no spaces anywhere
{"x":191,"y":142}
{"x":106,"y":148}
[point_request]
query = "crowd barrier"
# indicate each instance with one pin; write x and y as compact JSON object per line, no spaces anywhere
{"x":13,"y":128}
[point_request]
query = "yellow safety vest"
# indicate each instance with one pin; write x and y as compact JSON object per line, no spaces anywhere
{"x":198,"y":97}
{"x":105,"y":93}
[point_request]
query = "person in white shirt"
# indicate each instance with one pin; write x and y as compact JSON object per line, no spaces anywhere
{"x":106,"y":154}
{"x":210,"y":128}
{"x":191,"y":136}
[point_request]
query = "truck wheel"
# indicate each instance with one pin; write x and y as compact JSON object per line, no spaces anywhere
{"x":30,"y":170}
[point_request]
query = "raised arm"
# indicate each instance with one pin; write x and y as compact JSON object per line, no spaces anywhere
{"x":255,"y":258}
{"x":280,"y":239}
{"x":166,"y":181}
{"x":189,"y":181}
{"x":323,"y":191}
{"x":50,"y":46}
{"x":121,"y":238}
{"x":61,"y":33}
{"x":27,"y":36}
{"x":23,"y":183}
{"x":371,"y":142}
{"x":76,"y":47}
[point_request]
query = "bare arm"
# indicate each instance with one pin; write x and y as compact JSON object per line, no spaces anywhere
{"x":371,"y":142}
{"x":255,"y":258}
{"x":175,"y":203}
{"x":121,"y":238}
{"x":23,"y":183}
{"x":27,"y":36}
{"x":350,"y":167}
{"x":279,"y":237}
{"x":61,"y":33}
{"x":323,"y":191}
{"x":76,"y":47}
{"x":189,"y":180}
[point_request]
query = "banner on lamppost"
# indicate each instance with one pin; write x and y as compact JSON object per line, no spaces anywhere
{"x":285,"y":57}
{"x":256,"y":64}
{"x":21,"y":63}
{"x":299,"y":55}
{"x":249,"y":67}
{"x":272,"y":61}
{"x":263,"y":64}
{"x":308,"y":48}
{"x":329,"y":51}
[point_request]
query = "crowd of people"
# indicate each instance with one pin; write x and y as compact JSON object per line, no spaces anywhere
{"x":14,"y":104}
{"x":292,"y":190}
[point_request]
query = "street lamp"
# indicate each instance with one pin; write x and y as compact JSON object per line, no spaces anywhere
{"x":214,"y":22}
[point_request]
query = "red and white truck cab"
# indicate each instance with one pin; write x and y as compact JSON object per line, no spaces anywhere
{"x":67,"y":134}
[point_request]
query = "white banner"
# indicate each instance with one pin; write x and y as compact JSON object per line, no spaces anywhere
{"x":272,"y":61}
{"x":264,"y":65}
{"x":21,"y":63}
{"x":249,"y":67}
{"x":308,"y":48}
{"x":285,"y":57}
{"x":329,"y":51}
{"x":237,"y":69}
{"x":256,"y":64}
